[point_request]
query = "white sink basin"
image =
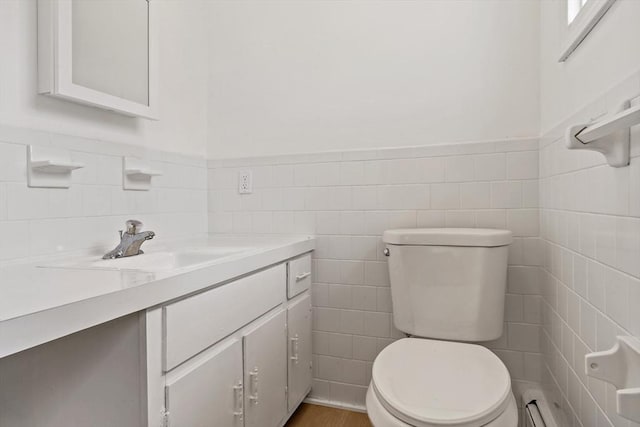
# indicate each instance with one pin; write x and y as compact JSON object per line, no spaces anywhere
{"x":152,"y":262}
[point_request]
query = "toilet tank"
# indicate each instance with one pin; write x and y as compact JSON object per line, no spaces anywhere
{"x":448,"y":283}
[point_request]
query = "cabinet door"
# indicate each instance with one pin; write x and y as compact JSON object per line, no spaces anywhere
{"x":299,"y":349}
{"x":211,"y":393}
{"x":265,"y":376}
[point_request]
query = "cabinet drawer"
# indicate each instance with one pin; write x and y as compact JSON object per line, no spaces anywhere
{"x":299,"y":275}
{"x":195,"y":323}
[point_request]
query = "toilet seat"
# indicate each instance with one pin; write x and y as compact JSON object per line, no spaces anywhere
{"x":431,"y":383}
{"x":380,"y":417}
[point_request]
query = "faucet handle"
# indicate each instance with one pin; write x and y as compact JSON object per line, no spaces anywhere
{"x":134,"y":226}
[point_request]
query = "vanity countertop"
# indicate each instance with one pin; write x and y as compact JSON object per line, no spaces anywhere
{"x":39,"y":304}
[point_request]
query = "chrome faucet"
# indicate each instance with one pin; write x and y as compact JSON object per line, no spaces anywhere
{"x":130,"y":241}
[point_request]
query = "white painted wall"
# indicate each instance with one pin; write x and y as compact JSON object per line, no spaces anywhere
{"x":292,"y":77}
{"x":183,"y":78}
{"x":607,"y":56}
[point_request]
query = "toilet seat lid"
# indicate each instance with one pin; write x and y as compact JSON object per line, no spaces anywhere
{"x":432,"y":383}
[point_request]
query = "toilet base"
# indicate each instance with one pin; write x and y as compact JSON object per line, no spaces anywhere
{"x":380,"y":417}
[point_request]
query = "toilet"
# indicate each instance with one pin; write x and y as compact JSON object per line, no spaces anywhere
{"x":448,"y":288}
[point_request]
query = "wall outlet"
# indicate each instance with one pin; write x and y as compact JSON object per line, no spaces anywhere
{"x":245,"y":182}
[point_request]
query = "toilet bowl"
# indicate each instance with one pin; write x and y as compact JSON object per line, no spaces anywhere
{"x":430,"y":383}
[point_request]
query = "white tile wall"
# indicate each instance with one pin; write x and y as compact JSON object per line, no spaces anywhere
{"x":37,"y":222}
{"x":348,"y":199}
{"x":587,"y":291}
{"x":590,"y":227}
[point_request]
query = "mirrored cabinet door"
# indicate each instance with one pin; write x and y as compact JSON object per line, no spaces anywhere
{"x":99,"y":52}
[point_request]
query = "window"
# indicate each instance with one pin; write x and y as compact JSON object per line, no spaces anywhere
{"x":581,"y":17}
{"x":573,"y":8}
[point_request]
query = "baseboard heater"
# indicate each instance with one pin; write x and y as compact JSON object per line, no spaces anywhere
{"x":538,"y":412}
{"x":533,"y":415}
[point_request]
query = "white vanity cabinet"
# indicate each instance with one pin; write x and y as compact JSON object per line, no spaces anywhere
{"x":236,"y":355}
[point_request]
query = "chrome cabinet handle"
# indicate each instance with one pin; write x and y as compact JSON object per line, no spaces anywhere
{"x":294,"y":349}
{"x":238,"y":399}
{"x":253,"y":385}
{"x":386,"y":252}
{"x":302,"y":276}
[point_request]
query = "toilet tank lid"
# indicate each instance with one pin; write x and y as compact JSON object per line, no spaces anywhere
{"x":479,"y":237}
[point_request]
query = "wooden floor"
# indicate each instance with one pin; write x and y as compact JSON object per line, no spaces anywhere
{"x":321,"y":416}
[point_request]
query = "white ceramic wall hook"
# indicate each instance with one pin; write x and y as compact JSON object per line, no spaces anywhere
{"x":609,"y":136}
{"x":620,"y":366}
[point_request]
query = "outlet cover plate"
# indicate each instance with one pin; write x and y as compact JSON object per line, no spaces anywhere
{"x":245,"y":182}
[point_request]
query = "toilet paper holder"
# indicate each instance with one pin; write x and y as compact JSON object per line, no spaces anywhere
{"x":620,"y":366}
